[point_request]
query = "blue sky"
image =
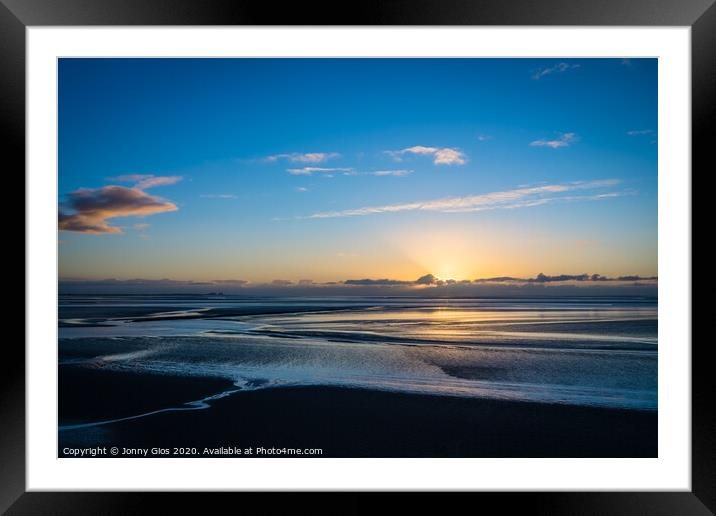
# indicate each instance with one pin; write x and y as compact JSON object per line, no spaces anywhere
{"x":200,"y":169}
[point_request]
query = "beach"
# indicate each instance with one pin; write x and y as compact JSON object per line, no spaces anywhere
{"x":357,"y":377}
{"x":341,"y":422}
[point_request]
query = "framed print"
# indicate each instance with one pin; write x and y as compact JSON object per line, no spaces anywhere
{"x":437,"y":250}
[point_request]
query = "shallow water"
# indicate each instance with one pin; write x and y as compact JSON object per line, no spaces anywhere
{"x":580,"y":351}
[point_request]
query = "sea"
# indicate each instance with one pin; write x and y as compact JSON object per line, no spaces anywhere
{"x":587,"y":351}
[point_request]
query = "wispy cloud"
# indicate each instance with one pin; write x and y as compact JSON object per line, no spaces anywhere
{"x":129,"y":178}
{"x":151,"y":182}
{"x":309,"y":171}
{"x":396,"y":173}
{"x":140,"y":227}
{"x":440,"y":155}
{"x":87,"y":210}
{"x":145,"y":181}
{"x":301,"y":189}
{"x":509,"y":199}
{"x":307,"y":157}
{"x":484,"y":137}
{"x":345,"y":171}
{"x":558,"y":68}
{"x":218,"y":196}
{"x":640,"y":132}
{"x":231,"y":282}
{"x":565,"y":140}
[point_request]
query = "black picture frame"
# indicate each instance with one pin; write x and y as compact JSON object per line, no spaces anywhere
{"x":16,"y":15}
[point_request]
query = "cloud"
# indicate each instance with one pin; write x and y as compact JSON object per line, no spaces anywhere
{"x":87,"y":210}
{"x":563,"y":141}
{"x":418,"y":149}
{"x":129,"y":178}
{"x":441,"y":156}
{"x":140,"y":227}
{"x":308,"y":157}
{"x":558,"y":68}
{"x":509,"y":199}
{"x":449,"y":157}
{"x":231,"y":282}
{"x":308,"y":171}
{"x":543,"y":278}
{"x":301,"y":189}
{"x":484,"y":137}
{"x":327,"y":172}
{"x":218,"y":196}
{"x":151,"y":182}
{"x":432,"y":280}
{"x":639,"y":132}
{"x":144,"y":181}
{"x":562,"y":284}
{"x":384,"y":282}
{"x":396,"y":173}
{"x":428,"y":279}
{"x":367,"y":281}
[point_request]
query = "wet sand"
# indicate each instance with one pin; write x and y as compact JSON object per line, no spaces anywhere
{"x":342,"y":422}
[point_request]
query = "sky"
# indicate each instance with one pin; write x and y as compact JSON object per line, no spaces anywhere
{"x":330,"y":170}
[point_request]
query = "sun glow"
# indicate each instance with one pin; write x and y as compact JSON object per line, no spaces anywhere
{"x":446,"y":254}
{"x":449,"y":272}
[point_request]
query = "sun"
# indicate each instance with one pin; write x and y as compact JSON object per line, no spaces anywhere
{"x":449,"y":270}
{"x":446,"y":256}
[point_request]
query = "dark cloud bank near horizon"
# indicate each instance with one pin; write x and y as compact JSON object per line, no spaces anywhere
{"x":425,"y":286}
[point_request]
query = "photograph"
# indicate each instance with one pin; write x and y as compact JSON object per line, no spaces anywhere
{"x":357,"y":257}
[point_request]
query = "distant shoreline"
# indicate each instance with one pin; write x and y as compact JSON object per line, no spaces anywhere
{"x":649,"y":297}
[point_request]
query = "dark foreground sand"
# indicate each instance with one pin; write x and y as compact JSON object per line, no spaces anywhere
{"x":342,"y":422}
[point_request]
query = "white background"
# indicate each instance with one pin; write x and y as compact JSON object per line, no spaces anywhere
{"x":670,"y":471}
